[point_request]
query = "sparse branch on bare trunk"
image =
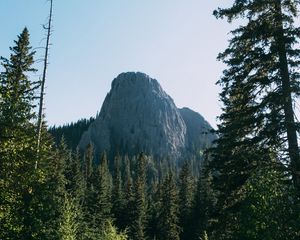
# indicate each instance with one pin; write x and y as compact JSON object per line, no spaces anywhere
{"x":40,"y":113}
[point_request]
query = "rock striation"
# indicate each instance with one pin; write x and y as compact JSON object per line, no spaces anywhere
{"x":138,"y":116}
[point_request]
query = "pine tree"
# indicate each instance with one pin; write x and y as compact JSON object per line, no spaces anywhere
{"x":168,"y":220}
{"x":88,"y":163}
{"x":266,"y":212}
{"x":72,"y":132}
{"x":97,"y":208}
{"x":103,"y":187}
{"x":18,"y":179}
{"x":258,"y":90}
{"x":117,"y":195}
{"x":203,"y":206}
{"x":75,"y":190}
{"x":155,"y":205}
{"x":52,"y":193}
{"x":128,"y":194}
{"x":260,"y":84}
{"x":110,"y":232}
{"x":137,"y":225}
{"x":185,"y":200}
{"x":75,"y":183}
{"x":68,"y":228}
{"x":18,"y":92}
{"x":89,"y":194}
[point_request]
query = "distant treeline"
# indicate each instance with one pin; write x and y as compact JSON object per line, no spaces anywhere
{"x":246,"y":187}
{"x":72,"y":132}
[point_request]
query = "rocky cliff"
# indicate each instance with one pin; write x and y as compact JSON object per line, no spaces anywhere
{"x":138,"y":116}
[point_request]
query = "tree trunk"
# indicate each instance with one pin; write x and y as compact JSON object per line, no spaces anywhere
{"x":40,"y":114}
{"x":293,"y":148}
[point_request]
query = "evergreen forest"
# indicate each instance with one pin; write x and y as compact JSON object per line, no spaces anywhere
{"x":246,"y":186}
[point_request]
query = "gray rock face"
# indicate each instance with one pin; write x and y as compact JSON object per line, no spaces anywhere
{"x":138,"y":116}
{"x":198,"y":134}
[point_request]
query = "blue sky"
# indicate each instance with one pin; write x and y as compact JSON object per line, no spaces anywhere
{"x":174,"y":41}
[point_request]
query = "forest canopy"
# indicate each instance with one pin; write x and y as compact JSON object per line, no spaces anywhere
{"x":246,"y":186}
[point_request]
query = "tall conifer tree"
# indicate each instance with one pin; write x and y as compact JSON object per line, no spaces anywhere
{"x":117,"y":194}
{"x":18,"y":179}
{"x":185,"y":200}
{"x":169,"y":214}
{"x":259,"y":87}
{"x":98,"y":199}
{"x":128,"y":194}
{"x":137,"y":225}
{"x":203,"y":204}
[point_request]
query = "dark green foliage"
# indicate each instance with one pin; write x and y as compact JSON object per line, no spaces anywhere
{"x":17,"y":176}
{"x":74,"y":197}
{"x":268,"y":211}
{"x":52,"y":192}
{"x":154,"y":208}
{"x":103,"y":186}
{"x":97,"y":208}
{"x":118,"y":202}
{"x":169,"y":212}
{"x":75,"y":182}
{"x":138,"y":221}
{"x":257,"y":130}
{"x":260,"y":82}
{"x":185,"y":201}
{"x":204,"y":204}
{"x":110,"y":233}
{"x":17,"y":91}
{"x":264,"y":211}
{"x":71,"y":132}
{"x":128,"y":212}
{"x":88,"y":161}
{"x":69,"y":225}
{"x":249,"y":189}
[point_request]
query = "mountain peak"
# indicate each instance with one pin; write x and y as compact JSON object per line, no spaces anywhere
{"x":136,"y":81}
{"x":138,"y":116}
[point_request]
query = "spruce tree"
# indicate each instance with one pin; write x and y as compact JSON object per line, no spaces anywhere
{"x":258,"y":90}
{"x":17,"y":90}
{"x":52,"y":193}
{"x":69,"y":226}
{"x":75,"y":190}
{"x":138,"y":223}
{"x":169,"y":213}
{"x":18,"y":179}
{"x":155,"y":205}
{"x":110,"y":232}
{"x":75,"y":183}
{"x":88,"y":161}
{"x":203,"y":206}
{"x":260,"y":84}
{"x":266,"y":212}
{"x":117,"y":195}
{"x":185,"y":200}
{"x":103,"y":187}
{"x":128,"y":194}
{"x":89,"y":193}
{"x":97,"y":209}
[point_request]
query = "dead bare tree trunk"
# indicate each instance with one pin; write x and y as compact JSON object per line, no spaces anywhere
{"x":40,"y":113}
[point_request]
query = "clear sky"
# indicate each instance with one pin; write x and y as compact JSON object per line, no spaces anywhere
{"x":174,"y":41}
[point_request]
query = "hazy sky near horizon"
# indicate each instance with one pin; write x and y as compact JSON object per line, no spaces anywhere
{"x":173,"y":41}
